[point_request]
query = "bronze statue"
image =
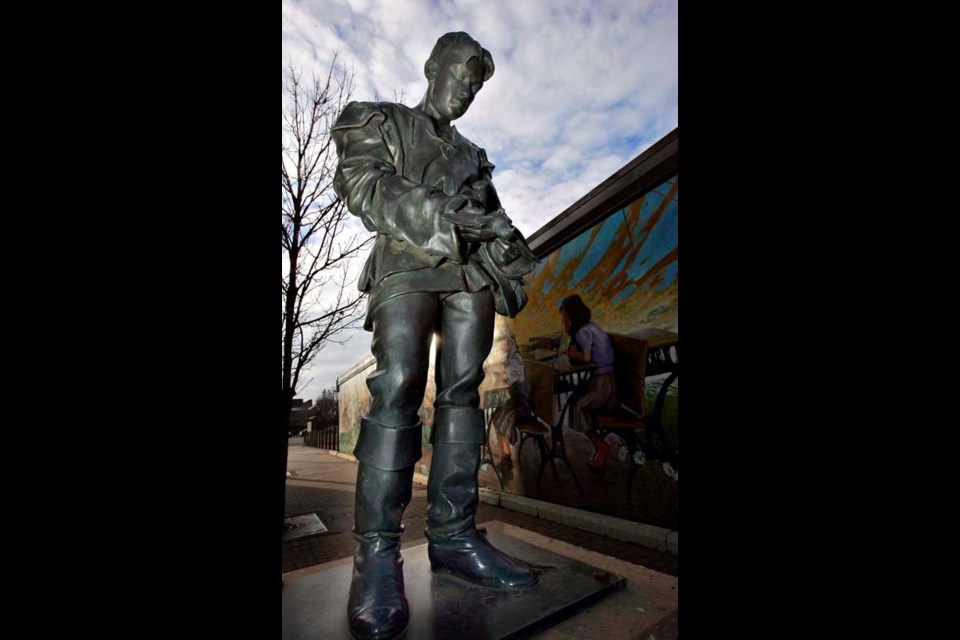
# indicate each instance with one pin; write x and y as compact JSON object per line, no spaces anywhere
{"x":446,"y":258}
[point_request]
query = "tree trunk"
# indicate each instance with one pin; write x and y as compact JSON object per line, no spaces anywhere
{"x":285,"y":406}
{"x":288,"y":387}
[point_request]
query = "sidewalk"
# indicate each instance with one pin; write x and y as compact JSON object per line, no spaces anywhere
{"x":324,"y":484}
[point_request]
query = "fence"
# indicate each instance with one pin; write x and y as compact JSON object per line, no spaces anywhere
{"x":325,"y":437}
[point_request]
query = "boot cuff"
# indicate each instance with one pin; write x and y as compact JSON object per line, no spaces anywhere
{"x":388,"y":448}
{"x":458,"y":425}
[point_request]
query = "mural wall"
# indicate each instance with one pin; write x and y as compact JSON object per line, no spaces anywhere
{"x":354,"y":401}
{"x":624,"y":268}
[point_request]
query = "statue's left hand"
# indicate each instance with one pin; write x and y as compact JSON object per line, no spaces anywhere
{"x":502,"y":225}
{"x":476,"y":225}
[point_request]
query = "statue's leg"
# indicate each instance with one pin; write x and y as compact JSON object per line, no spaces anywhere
{"x":377,"y":607}
{"x":387,"y":449}
{"x":455,"y":546}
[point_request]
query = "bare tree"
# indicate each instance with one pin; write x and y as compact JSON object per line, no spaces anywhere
{"x":319,"y":302}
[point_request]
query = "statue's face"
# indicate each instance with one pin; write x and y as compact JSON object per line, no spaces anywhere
{"x":455,"y":86}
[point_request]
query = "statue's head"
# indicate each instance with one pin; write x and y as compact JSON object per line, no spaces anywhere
{"x":456,"y":70}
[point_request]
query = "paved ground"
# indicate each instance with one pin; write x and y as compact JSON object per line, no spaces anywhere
{"x":324,"y":484}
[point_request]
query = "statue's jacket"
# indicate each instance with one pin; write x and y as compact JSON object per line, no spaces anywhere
{"x":398,"y":175}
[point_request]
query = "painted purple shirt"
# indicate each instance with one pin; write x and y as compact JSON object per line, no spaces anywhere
{"x":592,"y":337}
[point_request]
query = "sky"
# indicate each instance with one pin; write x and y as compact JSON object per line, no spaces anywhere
{"x":580,"y":88}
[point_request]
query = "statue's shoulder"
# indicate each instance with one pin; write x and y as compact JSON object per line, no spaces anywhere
{"x":467,"y":142}
{"x":476,"y":150}
{"x":401,"y":113}
{"x":358,"y":114}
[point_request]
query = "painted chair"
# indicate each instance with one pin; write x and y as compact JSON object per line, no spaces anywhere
{"x":640,"y":431}
{"x":544,"y":419}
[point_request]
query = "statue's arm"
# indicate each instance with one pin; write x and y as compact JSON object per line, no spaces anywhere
{"x":490,"y":198}
{"x":367,"y":181}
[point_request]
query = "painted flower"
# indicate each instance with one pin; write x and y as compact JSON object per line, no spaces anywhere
{"x":639,"y":458}
{"x":670,"y":471}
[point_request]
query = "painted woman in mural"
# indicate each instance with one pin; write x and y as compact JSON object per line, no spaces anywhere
{"x":446,"y":258}
{"x":590,"y":343}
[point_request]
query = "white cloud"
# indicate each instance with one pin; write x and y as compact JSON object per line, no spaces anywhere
{"x":359,"y":6}
{"x":581,"y":86}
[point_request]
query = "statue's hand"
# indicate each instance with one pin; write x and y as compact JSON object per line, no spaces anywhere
{"x":476,"y":225}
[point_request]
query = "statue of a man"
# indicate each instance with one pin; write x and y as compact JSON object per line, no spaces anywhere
{"x":445,"y":259}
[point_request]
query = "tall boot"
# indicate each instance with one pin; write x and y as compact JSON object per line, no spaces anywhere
{"x":455,"y":546}
{"x":377,"y":608}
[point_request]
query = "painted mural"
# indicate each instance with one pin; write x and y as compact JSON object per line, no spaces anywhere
{"x":626,"y":270}
{"x":354,"y":401}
